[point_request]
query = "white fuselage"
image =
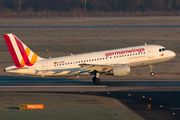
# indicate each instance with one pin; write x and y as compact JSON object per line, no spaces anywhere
{"x":70,"y":65}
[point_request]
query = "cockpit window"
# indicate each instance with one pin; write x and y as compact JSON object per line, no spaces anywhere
{"x":162,"y":49}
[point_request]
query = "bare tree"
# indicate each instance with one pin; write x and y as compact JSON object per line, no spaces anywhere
{"x":18,"y":4}
{"x":177,"y":3}
{"x":84,"y":2}
{"x":138,"y":2}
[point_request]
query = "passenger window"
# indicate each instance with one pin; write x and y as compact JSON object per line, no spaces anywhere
{"x":114,"y":56}
{"x":98,"y":59}
{"x":110,"y":57}
{"x":89,"y":60}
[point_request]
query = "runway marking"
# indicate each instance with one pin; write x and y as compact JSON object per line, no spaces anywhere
{"x":53,"y":86}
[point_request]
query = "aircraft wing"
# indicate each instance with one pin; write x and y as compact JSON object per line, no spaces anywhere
{"x":98,"y":68}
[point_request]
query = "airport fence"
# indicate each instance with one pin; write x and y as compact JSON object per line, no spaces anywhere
{"x":88,"y":14}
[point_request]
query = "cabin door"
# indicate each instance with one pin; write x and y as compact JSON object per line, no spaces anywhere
{"x":150,"y":52}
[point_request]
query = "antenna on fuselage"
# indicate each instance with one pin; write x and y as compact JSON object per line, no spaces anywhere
{"x":145,"y":43}
{"x":71,"y":54}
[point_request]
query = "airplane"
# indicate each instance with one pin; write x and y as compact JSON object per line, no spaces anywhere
{"x":116,"y":62}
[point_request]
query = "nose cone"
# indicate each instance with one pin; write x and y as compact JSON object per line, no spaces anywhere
{"x":170,"y":54}
{"x":173,"y":54}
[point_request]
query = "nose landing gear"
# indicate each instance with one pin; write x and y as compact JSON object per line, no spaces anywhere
{"x":152,"y":73}
{"x":151,"y":68}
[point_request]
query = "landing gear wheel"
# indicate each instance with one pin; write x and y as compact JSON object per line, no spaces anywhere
{"x":96,"y":80}
{"x":152,"y":73}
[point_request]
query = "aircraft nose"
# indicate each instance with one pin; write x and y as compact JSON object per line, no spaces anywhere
{"x":173,"y":54}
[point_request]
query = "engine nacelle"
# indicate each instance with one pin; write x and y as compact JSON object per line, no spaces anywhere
{"x":123,"y":70}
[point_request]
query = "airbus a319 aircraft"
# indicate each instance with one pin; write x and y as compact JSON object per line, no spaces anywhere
{"x":116,"y":62}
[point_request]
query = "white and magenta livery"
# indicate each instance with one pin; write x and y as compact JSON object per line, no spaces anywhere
{"x":116,"y":62}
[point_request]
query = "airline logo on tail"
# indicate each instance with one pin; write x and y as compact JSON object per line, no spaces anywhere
{"x":20,"y":53}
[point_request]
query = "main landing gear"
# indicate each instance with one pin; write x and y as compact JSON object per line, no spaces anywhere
{"x":96,"y":79}
{"x":151,"y":68}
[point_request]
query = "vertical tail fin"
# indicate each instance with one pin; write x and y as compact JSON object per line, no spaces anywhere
{"x":20,"y":53}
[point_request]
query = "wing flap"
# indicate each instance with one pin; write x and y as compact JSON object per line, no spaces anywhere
{"x":98,"y":68}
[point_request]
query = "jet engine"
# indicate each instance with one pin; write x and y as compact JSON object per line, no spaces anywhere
{"x":118,"y":71}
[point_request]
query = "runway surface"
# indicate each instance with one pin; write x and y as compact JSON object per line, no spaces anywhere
{"x":82,"y":27}
{"x":66,"y":85}
{"x":163,"y":95}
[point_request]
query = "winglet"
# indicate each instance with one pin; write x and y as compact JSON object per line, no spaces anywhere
{"x":20,"y":53}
